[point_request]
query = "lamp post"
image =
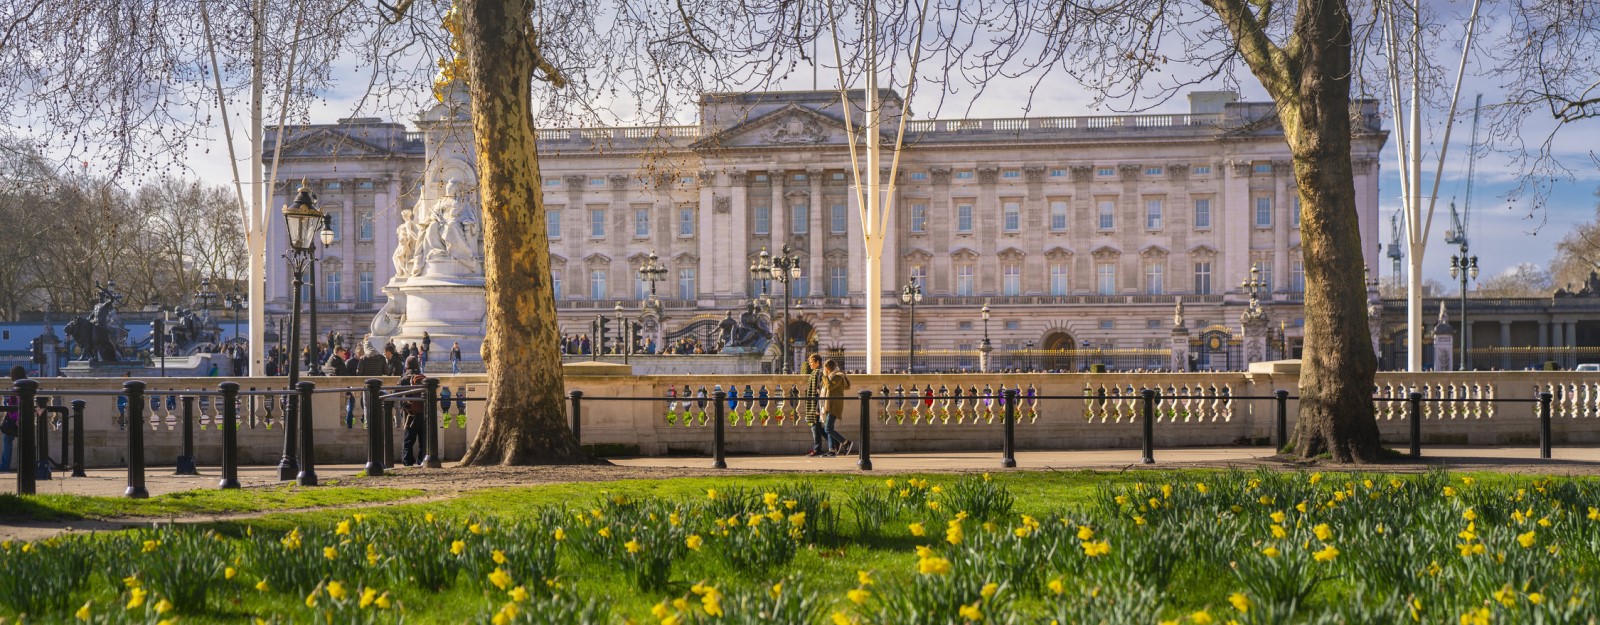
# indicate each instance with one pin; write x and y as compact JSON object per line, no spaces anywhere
{"x":302,"y":218}
{"x":235,"y":303}
{"x":652,"y":271}
{"x":910,"y":295}
{"x":326,"y":235}
{"x":625,"y":338}
{"x":985,"y":348}
{"x":785,"y":269}
{"x":1462,"y":266}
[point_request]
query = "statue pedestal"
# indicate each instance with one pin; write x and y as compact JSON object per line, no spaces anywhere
{"x":449,"y":308}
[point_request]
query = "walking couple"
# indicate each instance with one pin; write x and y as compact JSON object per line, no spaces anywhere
{"x":828,"y":383}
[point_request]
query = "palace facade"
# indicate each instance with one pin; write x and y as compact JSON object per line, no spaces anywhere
{"x":1081,"y":233}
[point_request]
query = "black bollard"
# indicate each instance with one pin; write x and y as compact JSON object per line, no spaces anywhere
{"x":1008,"y":445}
{"x":27,"y":456}
{"x":41,"y":424}
{"x":1147,"y":401}
{"x":430,"y":413}
{"x":386,"y":430}
{"x":136,"y":425}
{"x":1282,"y":434}
{"x":577,"y":418}
{"x":77,"y":438}
{"x":719,"y":406}
{"x":230,"y":435}
{"x":1414,"y":413}
{"x":864,"y":462}
{"x":374,"y":427}
{"x":308,"y":461}
{"x":66,"y":435}
{"x":186,"y":459}
{"x":1544,"y":425}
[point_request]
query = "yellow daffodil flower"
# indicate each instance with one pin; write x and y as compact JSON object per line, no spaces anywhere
{"x":1239,"y":601}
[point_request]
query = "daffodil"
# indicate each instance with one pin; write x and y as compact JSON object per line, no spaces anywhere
{"x":1201,"y":618}
{"x":989,"y":590}
{"x":1239,"y":601}
{"x":136,"y":597}
{"x":500,"y":578}
{"x":261,"y":585}
{"x":858,"y":596}
{"x":368,"y":595}
{"x":633,"y":546}
{"x":330,"y":553}
{"x":1527,"y":540}
{"x":1323,"y":532}
{"x":336,"y":590}
{"x":382,"y":601}
{"x":457,"y":546}
{"x":971,"y":613}
{"x":864,"y":578}
{"x":1085,"y":532}
{"x":918,"y":530}
{"x":1057,"y":586}
{"x":342,"y":529}
{"x":560,"y":534}
{"x":1271,"y":552}
{"x":933,"y":566}
{"x":1470,"y":514}
{"x":1326,"y":554}
{"x":163,"y":606}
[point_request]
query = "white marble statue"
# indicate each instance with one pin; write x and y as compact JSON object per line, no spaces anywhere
{"x":448,"y":241}
{"x":405,"y":247}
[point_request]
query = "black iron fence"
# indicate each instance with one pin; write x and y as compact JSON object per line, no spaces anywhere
{"x":298,"y":463}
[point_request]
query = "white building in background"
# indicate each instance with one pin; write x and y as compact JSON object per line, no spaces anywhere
{"x":1080,"y":232}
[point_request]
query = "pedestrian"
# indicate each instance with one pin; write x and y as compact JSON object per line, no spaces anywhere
{"x":411,"y":416}
{"x":9,"y":423}
{"x":427,"y":344}
{"x":396,"y":363}
{"x":809,"y":406}
{"x":372,"y":365}
{"x":455,"y":357}
{"x":338,"y":364}
{"x":835,"y":383}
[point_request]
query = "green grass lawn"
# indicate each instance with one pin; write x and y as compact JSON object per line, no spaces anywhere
{"x":1139,"y":547}
{"x":193,"y":502}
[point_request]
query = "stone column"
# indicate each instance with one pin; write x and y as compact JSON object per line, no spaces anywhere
{"x":1254,"y":321}
{"x":739,"y":226}
{"x":1443,"y":342}
{"x":820,"y":230}
{"x":1571,"y":357}
{"x":1505,"y":341}
{"x":1231,"y":215}
{"x":778,"y":217}
{"x":1283,"y":185}
{"x":716,"y":264}
{"x":1179,"y":361}
{"x":50,"y":344}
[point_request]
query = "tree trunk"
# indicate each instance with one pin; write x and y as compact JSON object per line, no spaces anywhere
{"x":1309,"y":79}
{"x":524,"y":421}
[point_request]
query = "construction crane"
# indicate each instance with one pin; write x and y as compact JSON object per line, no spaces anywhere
{"x":1395,"y":250}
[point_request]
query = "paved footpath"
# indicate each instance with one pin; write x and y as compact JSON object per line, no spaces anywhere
{"x":110,"y":482}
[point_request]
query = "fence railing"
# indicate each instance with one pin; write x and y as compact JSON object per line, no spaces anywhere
{"x":222,"y":411}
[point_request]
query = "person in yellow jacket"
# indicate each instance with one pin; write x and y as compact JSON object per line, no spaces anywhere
{"x":834,"y":386}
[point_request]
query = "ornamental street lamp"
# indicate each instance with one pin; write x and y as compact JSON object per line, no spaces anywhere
{"x":985,"y":348}
{"x":652,"y":271}
{"x":910,"y":295}
{"x":203,"y":296}
{"x":1462,"y":266}
{"x":302,"y":219}
{"x":236,"y":303}
{"x":784,"y":269}
{"x":761,"y":270}
{"x":1254,"y":285}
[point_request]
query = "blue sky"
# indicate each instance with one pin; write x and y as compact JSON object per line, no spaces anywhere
{"x":1503,"y":233}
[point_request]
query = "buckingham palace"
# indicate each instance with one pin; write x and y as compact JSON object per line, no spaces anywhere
{"x":1081,"y":234}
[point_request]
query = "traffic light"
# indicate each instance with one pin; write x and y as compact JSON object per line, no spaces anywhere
{"x":36,"y":348}
{"x":604,"y":331}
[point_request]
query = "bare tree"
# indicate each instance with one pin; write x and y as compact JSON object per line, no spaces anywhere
{"x":1523,"y":280}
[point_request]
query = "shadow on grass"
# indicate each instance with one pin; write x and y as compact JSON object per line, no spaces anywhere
{"x":19,"y":508}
